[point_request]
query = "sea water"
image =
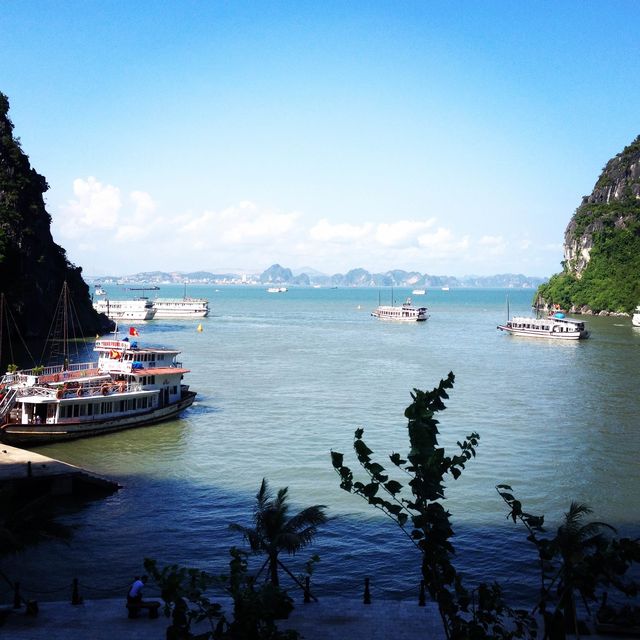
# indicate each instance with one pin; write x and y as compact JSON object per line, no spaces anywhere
{"x":283,"y":379}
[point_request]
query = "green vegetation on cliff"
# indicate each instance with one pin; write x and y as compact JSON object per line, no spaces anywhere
{"x":611,"y":280}
{"x":33,"y":267}
{"x":602,"y":243}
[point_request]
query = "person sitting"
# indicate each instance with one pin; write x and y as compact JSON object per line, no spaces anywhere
{"x":135,"y":601}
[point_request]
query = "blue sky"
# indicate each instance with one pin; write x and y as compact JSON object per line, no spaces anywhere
{"x":447,"y":138}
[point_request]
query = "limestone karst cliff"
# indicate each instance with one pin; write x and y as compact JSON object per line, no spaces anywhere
{"x":601,"y":269}
{"x":33,"y":267}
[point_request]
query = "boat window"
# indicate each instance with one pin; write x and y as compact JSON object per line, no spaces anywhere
{"x":90,"y":408}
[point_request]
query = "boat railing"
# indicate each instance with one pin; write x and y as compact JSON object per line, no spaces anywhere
{"x":7,"y":402}
{"x":51,"y":374}
{"x":78,"y":390}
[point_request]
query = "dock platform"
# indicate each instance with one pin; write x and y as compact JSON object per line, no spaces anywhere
{"x":21,"y":466}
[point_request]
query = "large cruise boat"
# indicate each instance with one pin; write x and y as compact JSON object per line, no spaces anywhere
{"x":129,"y":386}
{"x":404,"y":313}
{"x":135,"y":310}
{"x":556,"y":327}
{"x":181,"y":307}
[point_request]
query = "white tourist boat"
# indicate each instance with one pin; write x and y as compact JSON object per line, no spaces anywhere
{"x":403,"y":313}
{"x":277,"y":290}
{"x":135,"y":310}
{"x":99,"y":291}
{"x":129,"y":386}
{"x":181,"y":307}
{"x":635,"y":318}
{"x":555,"y":327}
{"x":418,"y":292}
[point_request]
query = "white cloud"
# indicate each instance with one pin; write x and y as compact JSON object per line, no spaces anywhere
{"x":101,"y":229}
{"x":494,"y":245}
{"x":95,"y":207}
{"x":403,"y":233}
{"x":242,"y":224}
{"x":324,"y":231}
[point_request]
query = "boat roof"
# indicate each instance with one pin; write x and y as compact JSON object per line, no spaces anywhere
{"x":547,"y":319}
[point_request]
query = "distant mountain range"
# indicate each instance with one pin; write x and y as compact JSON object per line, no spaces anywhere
{"x":277,"y":274}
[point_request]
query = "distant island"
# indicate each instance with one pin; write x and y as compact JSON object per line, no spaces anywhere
{"x":279,"y":275}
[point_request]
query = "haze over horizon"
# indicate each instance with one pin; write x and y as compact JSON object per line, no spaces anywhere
{"x":430,"y":137}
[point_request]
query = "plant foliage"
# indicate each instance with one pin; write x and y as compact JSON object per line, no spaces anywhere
{"x":583,"y":558}
{"x":415,"y":505}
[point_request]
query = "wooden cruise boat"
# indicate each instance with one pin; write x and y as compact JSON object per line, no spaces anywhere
{"x":403,"y":313}
{"x":554,"y":327}
{"x":136,"y":310}
{"x":129,"y":386}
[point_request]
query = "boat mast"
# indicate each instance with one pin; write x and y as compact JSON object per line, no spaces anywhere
{"x":65,"y":327}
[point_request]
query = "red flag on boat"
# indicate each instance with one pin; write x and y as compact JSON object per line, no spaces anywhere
{"x":133,"y":331}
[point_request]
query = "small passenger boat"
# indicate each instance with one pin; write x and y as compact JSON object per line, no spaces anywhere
{"x":180,"y":308}
{"x":555,"y":327}
{"x":403,"y":313}
{"x":635,"y":318}
{"x":136,"y":310}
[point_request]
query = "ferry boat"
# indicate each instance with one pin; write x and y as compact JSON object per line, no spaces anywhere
{"x":136,"y":310}
{"x":555,"y":326}
{"x":129,"y":386}
{"x":404,"y":313}
{"x":181,"y":307}
{"x":635,"y":318}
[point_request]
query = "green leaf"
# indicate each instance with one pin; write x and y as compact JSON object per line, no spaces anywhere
{"x":371,"y":489}
{"x":393,"y":487}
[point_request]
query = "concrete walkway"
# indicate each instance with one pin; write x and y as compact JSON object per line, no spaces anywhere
{"x":329,"y":619}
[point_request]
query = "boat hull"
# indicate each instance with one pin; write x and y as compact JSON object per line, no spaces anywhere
{"x":399,"y":319}
{"x":177,"y":314}
{"x":40,"y":434}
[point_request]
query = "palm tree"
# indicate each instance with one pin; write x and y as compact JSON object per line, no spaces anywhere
{"x":579,"y":545}
{"x":275,"y":531}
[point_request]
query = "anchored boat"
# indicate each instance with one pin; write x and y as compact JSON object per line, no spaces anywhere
{"x":129,"y":386}
{"x":136,"y":310}
{"x":555,"y":327}
{"x":403,"y":313}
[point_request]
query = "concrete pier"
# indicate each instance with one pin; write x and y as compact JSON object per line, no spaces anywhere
{"x":21,"y":466}
{"x":332,"y":618}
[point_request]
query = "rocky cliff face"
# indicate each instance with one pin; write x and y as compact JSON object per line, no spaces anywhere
{"x":613,"y":203}
{"x":33,"y":267}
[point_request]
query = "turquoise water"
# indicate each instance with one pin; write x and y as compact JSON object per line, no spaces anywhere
{"x":282,"y":379}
